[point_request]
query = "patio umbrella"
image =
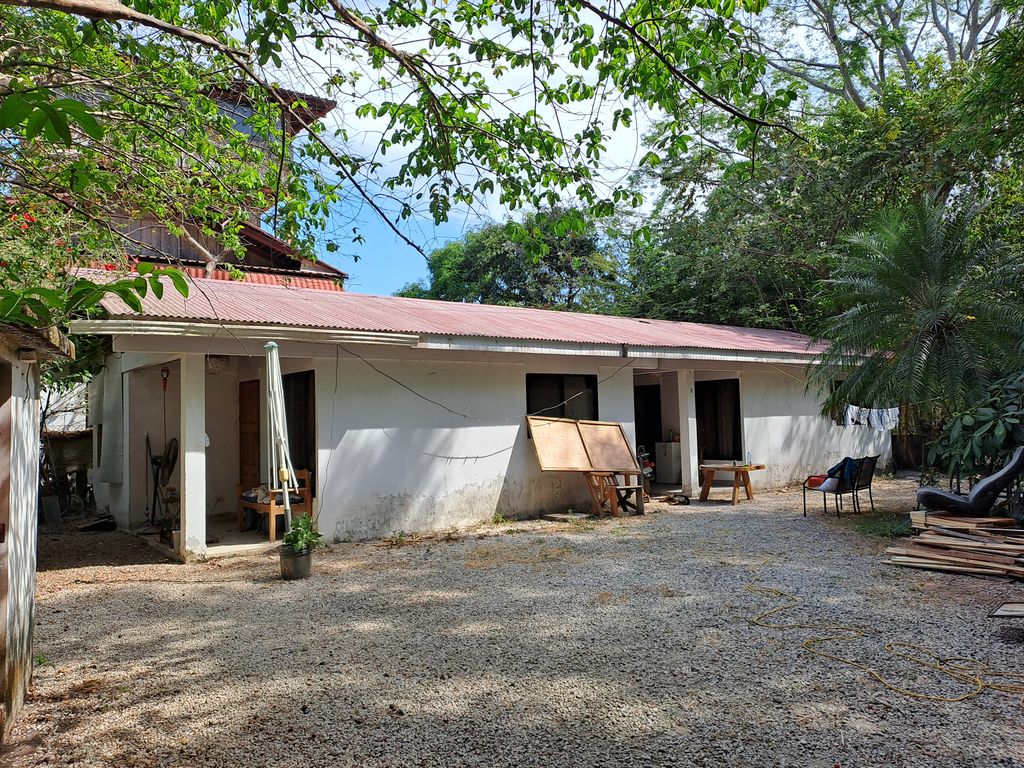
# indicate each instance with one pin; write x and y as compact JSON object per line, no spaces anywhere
{"x":282,"y":473}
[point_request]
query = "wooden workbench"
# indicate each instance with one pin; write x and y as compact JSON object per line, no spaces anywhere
{"x":740,"y":474}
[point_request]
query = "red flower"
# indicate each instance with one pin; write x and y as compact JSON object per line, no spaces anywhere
{"x":24,"y":226}
{"x":59,"y":242}
{"x":3,"y":263}
{"x":29,"y":218}
{"x":109,"y":267}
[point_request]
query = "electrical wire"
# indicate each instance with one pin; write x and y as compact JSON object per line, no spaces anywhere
{"x":490,"y":420}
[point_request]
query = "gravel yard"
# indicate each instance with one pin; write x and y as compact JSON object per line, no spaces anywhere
{"x":615,"y":643}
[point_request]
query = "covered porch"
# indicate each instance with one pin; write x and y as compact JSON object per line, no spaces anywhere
{"x":193,"y":440}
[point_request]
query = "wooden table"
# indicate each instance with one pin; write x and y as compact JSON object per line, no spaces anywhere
{"x":740,"y":474}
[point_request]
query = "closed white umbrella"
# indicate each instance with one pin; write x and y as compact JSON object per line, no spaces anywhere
{"x":282,"y":473}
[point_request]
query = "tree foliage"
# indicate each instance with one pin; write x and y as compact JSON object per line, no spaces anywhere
{"x":927,"y":314}
{"x":551,"y":259}
{"x":112,"y":109}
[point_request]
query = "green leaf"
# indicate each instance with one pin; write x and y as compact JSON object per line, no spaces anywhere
{"x":13,"y":111}
{"x":179,"y":281}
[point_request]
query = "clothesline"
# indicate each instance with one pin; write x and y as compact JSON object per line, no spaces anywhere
{"x":882,"y":419}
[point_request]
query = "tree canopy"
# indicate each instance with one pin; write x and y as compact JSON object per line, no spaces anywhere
{"x":543,"y":261}
{"x":113,"y":109}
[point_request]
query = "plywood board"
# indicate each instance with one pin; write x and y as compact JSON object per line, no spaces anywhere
{"x":607,"y":446}
{"x":558,"y":444}
{"x":565,"y":445}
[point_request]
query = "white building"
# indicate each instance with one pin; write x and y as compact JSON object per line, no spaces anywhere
{"x":411,"y":413}
{"x":21,"y":349}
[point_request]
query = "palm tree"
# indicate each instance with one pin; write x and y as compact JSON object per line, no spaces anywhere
{"x":927,"y":315}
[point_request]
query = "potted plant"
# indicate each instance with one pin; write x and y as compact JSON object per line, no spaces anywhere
{"x":297,"y":548}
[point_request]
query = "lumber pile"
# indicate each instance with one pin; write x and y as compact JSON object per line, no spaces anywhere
{"x":982,"y":546}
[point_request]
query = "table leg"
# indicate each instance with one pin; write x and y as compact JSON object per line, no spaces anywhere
{"x":747,"y":486}
{"x":709,"y":478}
{"x":735,"y":488}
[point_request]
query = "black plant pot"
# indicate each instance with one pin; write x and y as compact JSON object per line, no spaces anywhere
{"x":295,"y":565}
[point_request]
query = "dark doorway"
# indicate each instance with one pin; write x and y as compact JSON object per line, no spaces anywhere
{"x":249,"y":433}
{"x":719,"y":428}
{"x":647,"y":412}
{"x":300,"y":412}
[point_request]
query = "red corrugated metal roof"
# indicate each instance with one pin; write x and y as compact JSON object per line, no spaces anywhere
{"x":304,"y":280}
{"x":212,"y":301}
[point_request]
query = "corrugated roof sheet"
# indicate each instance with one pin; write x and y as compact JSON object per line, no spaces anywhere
{"x":212,"y":301}
{"x":301,"y":280}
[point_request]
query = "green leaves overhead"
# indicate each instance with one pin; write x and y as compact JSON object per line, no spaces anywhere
{"x":175,"y":113}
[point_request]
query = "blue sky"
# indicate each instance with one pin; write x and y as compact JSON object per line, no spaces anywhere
{"x":386,"y":263}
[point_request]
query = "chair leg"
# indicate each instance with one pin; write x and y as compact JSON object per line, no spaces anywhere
{"x":805,"y":501}
{"x":839,"y":504}
{"x":871,"y":499}
{"x":824,"y":502}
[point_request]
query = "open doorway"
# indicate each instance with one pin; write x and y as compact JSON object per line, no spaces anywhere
{"x":299,"y":396}
{"x":300,"y":413}
{"x":647,"y":413}
{"x":719,"y":422}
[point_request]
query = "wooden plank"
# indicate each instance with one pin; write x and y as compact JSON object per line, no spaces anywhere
{"x":1009,"y":610}
{"x":558,"y":445}
{"x":912,"y":563}
{"x":607,"y":446}
{"x":945,"y":541}
{"x":953,"y":554}
{"x":967,"y":523}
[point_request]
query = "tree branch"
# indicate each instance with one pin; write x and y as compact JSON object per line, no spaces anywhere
{"x":112,"y":10}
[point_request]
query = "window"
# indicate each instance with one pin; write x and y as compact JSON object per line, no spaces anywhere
{"x":569,"y":396}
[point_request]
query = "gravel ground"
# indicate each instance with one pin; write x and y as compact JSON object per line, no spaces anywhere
{"x":617,"y":643}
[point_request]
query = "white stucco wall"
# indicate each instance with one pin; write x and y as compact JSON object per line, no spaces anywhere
{"x":783,"y":428}
{"x":391,"y":461}
{"x":145,"y":397}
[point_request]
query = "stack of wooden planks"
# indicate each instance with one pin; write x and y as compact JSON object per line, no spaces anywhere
{"x":983,"y":546}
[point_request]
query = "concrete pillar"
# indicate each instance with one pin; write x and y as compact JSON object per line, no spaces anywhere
{"x":688,"y":433}
{"x":193,"y":457}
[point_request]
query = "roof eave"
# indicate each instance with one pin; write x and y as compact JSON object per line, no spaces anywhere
{"x":117,"y":326}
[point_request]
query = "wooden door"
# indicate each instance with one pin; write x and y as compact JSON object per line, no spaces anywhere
{"x":249,"y":433}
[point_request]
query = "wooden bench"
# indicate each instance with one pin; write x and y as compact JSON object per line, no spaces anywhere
{"x":275,"y":507}
{"x":608,"y":491}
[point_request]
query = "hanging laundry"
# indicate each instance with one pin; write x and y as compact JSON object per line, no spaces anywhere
{"x":881,"y":419}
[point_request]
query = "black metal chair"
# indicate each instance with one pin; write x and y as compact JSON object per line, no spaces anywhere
{"x":843,"y":486}
{"x":983,"y":496}
{"x":865,"y":476}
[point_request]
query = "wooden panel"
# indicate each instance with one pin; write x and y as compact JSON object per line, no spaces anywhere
{"x":607,"y":446}
{"x":558,"y":444}
{"x":565,"y":445}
